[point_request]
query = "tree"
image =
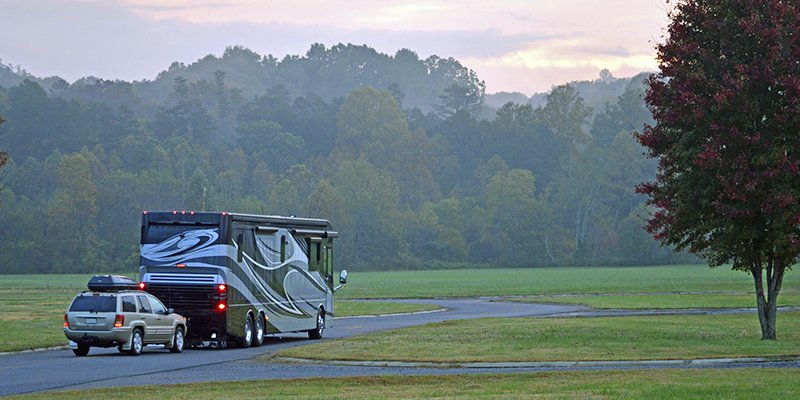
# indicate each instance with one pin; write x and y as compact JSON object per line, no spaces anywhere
{"x":3,"y":156}
{"x":727,"y":114}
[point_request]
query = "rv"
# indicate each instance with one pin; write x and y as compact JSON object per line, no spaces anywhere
{"x":240,"y":276}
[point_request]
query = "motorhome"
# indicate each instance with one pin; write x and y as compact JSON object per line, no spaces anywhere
{"x":239,"y":277}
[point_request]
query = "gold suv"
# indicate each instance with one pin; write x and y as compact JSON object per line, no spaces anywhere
{"x":105,"y":316}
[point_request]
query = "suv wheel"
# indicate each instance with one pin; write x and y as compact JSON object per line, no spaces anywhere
{"x":137,"y":343}
{"x":82,"y":350}
{"x":177,"y":341}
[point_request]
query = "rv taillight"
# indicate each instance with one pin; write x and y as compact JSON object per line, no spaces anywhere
{"x":66,"y":321}
{"x":222,"y":288}
{"x":221,"y":306}
{"x":119,"y":321}
{"x":142,"y":286}
{"x":144,"y":212}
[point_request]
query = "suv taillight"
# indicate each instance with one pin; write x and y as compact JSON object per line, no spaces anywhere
{"x":119,"y":321}
{"x":66,"y":321}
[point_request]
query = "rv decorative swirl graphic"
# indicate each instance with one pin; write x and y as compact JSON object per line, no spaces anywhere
{"x":191,"y":243}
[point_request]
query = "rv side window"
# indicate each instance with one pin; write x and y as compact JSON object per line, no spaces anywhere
{"x":283,"y":248}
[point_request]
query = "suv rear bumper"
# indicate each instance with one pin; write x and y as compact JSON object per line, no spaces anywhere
{"x":112,"y":338}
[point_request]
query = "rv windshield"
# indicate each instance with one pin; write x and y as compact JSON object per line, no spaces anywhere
{"x":157,"y":233}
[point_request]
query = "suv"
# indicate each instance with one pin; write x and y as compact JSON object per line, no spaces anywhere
{"x":110,"y":314}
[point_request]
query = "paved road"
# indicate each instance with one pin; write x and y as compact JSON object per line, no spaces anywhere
{"x":60,"y":369}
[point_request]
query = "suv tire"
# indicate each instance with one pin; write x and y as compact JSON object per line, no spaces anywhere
{"x":82,"y":350}
{"x":137,"y":343}
{"x":177,"y":341}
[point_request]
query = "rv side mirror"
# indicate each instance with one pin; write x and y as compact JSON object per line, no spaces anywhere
{"x":343,"y":277}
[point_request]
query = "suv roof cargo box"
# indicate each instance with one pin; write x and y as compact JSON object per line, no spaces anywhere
{"x":111,"y":283}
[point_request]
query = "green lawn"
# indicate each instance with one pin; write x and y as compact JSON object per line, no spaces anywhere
{"x":543,"y":281}
{"x":347,"y":308}
{"x":33,"y":309}
{"x":749,"y":383}
{"x":34,"y":304}
{"x":567,"y":339}
{"x":789,"y":297}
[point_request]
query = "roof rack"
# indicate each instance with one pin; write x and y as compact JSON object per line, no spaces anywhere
{"x":111,"y":283}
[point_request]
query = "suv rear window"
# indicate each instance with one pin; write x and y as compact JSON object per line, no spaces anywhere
{"x":94,"y":304}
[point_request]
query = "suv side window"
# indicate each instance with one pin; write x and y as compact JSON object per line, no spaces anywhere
{"x":144,"y":305}
{"x":158,"y":308}
{"x":128,"y":304}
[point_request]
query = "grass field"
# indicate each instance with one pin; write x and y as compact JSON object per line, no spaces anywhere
{"x":34,"y":304}
{"x":788,"y":298}
{"x":557,"y":281}
{"x":33,"y":309}
{"x":747,"y":384}
{"x":347,"y":308}
{"x":567,"y":339}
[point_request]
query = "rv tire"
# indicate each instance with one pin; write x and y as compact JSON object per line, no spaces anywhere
{"x":247,"y":338}
{"x":258,"y":331}
{"x":317,"y":333}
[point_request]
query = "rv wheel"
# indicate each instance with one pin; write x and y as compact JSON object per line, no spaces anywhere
{"x":247,"y":339}
{"x":258,"y":331}
{"x":317,"y":333}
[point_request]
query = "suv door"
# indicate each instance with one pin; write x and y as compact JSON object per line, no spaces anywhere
{"x":163,"y":324}
{"x":149,"y":319}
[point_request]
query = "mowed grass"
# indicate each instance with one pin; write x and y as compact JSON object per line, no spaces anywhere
{"x":790,"y":297}
{"x":347,"y":308}
{"x":34,"y":305}
{"x":556,"y":281}
{"x":750,"y":383}
{"x":567,"y":339}
{"x":33,"y":309}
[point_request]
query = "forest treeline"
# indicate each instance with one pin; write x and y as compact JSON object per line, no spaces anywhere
{"x":407,"y":158}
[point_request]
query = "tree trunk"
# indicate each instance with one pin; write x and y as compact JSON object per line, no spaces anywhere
{"x":768,"y":305}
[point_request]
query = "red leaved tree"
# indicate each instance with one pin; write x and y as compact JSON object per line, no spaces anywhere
{"x":726,"y":106}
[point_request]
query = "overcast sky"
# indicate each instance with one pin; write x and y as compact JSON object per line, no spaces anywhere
{"x":514,"y":45}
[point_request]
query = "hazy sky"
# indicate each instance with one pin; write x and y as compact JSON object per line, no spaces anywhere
{"x":514,"y":45}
